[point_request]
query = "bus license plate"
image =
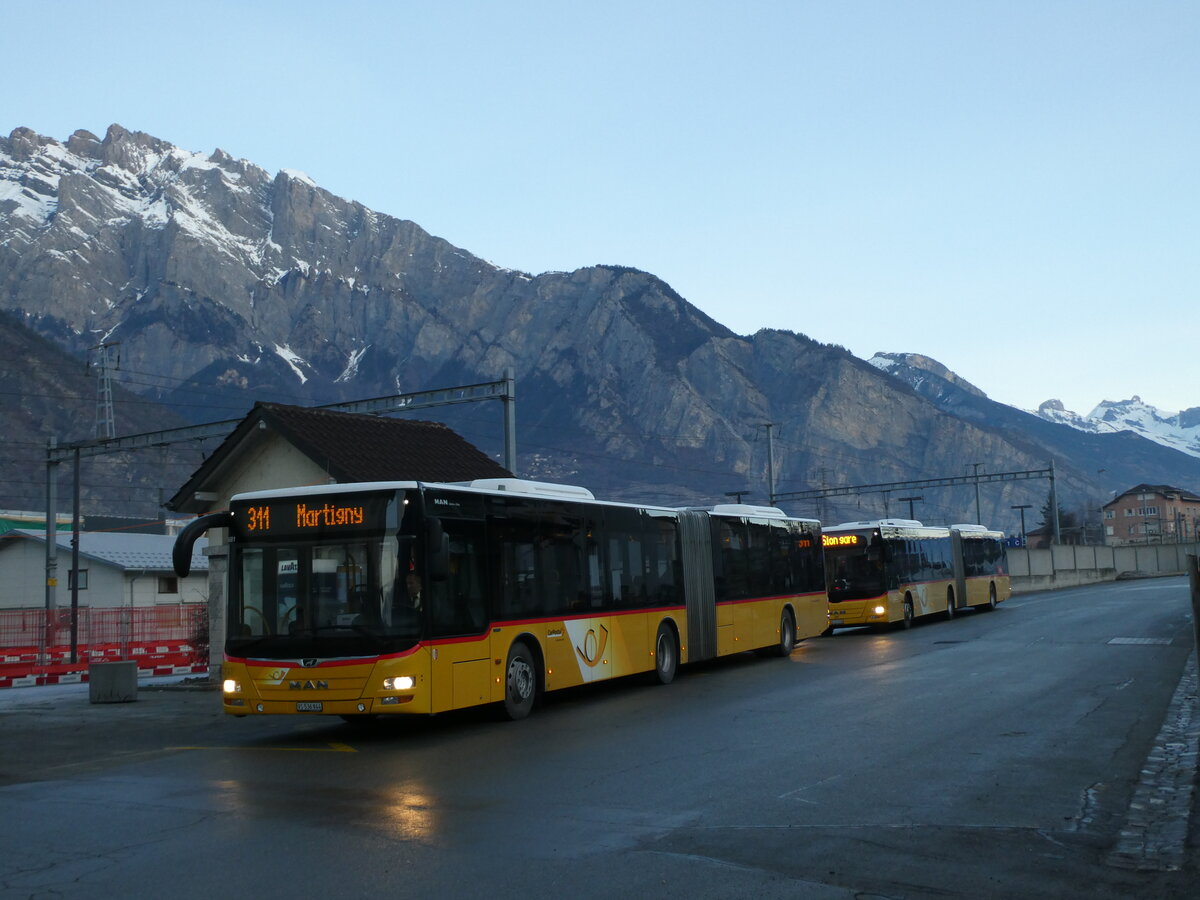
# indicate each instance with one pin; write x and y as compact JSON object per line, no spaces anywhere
{"x":308,"y":706}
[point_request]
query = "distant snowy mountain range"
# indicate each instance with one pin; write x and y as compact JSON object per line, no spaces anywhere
{"x":1179,"y":431}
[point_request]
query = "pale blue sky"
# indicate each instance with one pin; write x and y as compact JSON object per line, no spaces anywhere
{"x":1008,"y":187}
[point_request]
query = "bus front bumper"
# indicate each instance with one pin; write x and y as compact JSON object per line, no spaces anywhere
{"x":846,"y":615}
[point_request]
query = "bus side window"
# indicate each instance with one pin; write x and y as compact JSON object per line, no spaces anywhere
{"x":458,"y":604}
{"x":731,"y":545}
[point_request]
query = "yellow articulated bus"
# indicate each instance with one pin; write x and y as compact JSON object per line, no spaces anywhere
{"x":898,"y":570}
{"x":361,"y":600}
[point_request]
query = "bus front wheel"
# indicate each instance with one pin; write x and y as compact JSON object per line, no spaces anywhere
{"x":520,"y":682}
{"x":909,"y":614}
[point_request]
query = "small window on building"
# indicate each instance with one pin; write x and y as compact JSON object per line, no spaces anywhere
{"x":82,"y":578}
{"x":168,"y":584}
{"x":1109,"y":514}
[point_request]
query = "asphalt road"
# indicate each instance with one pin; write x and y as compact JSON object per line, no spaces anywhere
{"x":1003,"y":754}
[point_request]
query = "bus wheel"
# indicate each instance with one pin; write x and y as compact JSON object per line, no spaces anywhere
{"x":949,"y":603}
{"x":666,"y":654}
{"x":908,"y":613}
{"x":991,"y":603}
{"x":520,"y":682}
{"x":787,"y":634}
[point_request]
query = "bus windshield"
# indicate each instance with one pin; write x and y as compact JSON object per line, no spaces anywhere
{"x":332,"y":595}
{"x":855,"y":573}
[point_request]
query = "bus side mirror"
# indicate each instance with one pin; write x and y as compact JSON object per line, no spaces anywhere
{"x":438,"y":550}
{"x":181,"y":553}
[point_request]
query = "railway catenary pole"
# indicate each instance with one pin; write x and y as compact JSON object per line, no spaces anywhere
{"x":74,"y":576}
{"x":1054,"y":505}
{"x":978,"y":514}
{"x":770,"y":462}
{"x":509,"y":400}
{"x":51,"y":549}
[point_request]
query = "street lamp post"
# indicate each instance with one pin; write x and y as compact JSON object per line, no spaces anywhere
{"x":1022,"y":507}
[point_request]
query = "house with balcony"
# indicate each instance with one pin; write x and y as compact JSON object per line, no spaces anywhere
{"x":1152,"y":514}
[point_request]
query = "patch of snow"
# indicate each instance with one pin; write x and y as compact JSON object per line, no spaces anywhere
{"x":351,"y":369}
{"x":293,"y":360}
{"x":29,"y":205}
{"x":297,"y":175}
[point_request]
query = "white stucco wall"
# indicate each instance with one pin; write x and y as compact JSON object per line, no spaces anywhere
{"x":23,"y":579}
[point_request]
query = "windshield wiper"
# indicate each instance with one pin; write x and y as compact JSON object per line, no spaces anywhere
{"x":243,"y":644}
{"x":356,"y":627}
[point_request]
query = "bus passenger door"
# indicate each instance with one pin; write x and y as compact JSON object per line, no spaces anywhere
{"x":458,"y":618}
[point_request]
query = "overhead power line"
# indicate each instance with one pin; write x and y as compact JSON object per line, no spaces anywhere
{"x":953,"y":481}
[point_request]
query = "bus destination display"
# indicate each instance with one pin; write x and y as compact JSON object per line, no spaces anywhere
{"x":290,"y":517}
{"x":841,"y":540}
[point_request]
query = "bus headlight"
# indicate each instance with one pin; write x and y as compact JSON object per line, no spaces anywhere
{"x":880,"y":610}
{"x":229,"y":686}
{"x":399,"y":683}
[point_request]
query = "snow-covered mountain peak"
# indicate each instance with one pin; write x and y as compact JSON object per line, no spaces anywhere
{"x":914,"y":369}
{"x":1180,"y":431}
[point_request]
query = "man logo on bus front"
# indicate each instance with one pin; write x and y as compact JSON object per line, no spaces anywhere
{"x":309,"y":663}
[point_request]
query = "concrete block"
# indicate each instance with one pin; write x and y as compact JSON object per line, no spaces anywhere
{"x":112,"y":682}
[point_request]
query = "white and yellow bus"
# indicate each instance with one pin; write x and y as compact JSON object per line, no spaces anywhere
{"x":898,"y":570}
{"x":361,"y":600}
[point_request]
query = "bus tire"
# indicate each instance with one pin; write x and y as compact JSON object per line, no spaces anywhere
{"x":949,"y":603}
{"x":991,"y":601}
{"x":666,"y":654}
{"x":520,"y":681}
{"x":909,"y":612}
{"x":787,"y":635}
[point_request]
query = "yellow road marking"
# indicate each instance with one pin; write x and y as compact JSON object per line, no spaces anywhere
{"x":332,"y":748}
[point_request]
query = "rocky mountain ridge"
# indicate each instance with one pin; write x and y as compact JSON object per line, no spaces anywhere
{"x":226,"y":285}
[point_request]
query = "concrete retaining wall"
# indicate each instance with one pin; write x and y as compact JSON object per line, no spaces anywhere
{"x":1064,"y":565}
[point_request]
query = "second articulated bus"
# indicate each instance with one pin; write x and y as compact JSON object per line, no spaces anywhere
{"x":366,"y":599}
{"x":898,"y":570}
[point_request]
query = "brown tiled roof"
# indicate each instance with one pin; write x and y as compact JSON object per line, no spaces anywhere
{"x":1184,"y":495}
{"x":355,"y":447}
{"x":351,"y":447}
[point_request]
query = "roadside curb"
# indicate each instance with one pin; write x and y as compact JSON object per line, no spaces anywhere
{"x":1153,"y":836}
